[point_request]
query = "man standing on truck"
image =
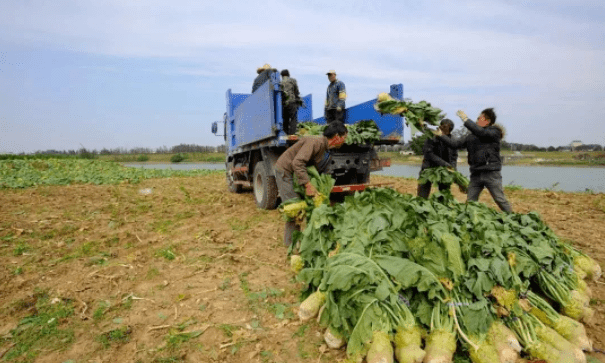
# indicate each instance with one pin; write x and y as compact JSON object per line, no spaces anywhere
{"x":437,"y":153}
{"x":483,"y":146}
{"x":307,"y":151}
{"x":264,"y":73}
{"x":290,"y":102}
{"x":335,"y":99}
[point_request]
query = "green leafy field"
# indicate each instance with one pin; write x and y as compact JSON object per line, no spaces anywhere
{"x":29,"y":173}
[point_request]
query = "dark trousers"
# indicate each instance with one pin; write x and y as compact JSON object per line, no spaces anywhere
{"x":492,"y":180}
{"x":333,"y":115}
{"x":290,"y":117}
{"x":425,"y":189}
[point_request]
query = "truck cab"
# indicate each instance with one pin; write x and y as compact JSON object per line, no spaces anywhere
{"x":254,"y":136}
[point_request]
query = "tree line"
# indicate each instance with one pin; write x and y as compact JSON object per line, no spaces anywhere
{"x":181,"y":148}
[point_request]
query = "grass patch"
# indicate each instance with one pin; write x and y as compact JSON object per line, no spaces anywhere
{"x":225,"y":284}
{"x":20,"y":249}
{"x":228,"y":329}
{"x":101,"y":309}
{"x":162,"y":226}
{"x":167,"y":253}
{"x":513,"y":187}
{"x":266,"y":299}
{"x":237,"y":224}
{"x":116,"y":336}
{"x":16,"y":174}
{"x":152,"y":272}
{"x":47,"y":329}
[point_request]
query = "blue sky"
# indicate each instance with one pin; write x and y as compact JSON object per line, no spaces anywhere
{"x":153,"y":73}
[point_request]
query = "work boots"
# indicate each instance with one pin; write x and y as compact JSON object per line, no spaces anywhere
{"x":289,"y":229}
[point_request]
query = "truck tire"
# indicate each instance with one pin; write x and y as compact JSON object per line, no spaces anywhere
{"x":233,"y":188}
{"x":363,"y":178}
{"x":265,"y":188}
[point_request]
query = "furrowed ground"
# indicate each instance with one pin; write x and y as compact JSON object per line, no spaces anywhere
{"x":181,"y":270}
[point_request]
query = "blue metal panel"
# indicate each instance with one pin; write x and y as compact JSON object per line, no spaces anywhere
{"x":389,"y":125}
{"x":305,"y":113}
{"x":255,"y":116}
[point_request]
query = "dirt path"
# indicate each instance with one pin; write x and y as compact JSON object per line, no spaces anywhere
{"x":188,"y":272}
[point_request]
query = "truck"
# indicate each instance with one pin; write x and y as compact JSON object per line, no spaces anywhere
{"x":255,"y":138}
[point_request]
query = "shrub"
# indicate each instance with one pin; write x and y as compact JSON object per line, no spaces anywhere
{"x":143,"y":157}
{"x":177,"y":158}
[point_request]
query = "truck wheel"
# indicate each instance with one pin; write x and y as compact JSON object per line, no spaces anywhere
{"x":363,"y":178}
{"x":265,"y":188}
{"x":233,"y":188}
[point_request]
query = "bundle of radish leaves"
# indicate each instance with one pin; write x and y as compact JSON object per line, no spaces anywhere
{"x":394,"y":276}
{"x":417,"y":115}
{"x":361,"y":132}
{"x":444,"y":176}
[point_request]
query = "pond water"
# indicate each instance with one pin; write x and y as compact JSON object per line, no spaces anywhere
{"x":569,"y":179}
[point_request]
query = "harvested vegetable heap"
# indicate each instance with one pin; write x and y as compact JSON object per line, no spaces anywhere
{"x":393,"y":275}
{"x":361,"y":132}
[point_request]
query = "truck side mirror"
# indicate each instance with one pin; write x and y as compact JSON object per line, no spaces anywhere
{"x":214,"y":127}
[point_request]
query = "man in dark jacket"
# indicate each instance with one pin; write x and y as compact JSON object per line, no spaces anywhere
{"x":437,"y":153}
{"x":483,"y":146}
{"x":290,"y":102}
{"x":264,"y":73}
{"x":307,"y":151}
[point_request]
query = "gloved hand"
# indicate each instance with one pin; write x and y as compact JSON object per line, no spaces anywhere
{"x":462,"y":115}
{"x":437,"y":132}
{"x":338,"y":108}
{"x":310,"y":189}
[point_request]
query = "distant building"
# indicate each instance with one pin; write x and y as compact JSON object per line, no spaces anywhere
{"x":574,"y":144}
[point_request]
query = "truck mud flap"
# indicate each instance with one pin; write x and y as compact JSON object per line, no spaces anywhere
{"x":378,"y":164}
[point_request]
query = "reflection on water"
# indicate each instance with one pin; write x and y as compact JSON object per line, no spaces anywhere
{"x":531,"y":177}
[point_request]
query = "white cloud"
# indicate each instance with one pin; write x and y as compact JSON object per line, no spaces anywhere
{"x":520,"y":57}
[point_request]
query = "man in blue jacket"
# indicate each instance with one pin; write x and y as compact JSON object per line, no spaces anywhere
{"x":335,"y":99}
{"x":483,"y":146}
{"x":437,"y":153}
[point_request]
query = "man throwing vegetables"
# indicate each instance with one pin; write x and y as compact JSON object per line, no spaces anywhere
{"x":311,"y":150}
{"x":483,"y":146}
{"x":437,"y":153}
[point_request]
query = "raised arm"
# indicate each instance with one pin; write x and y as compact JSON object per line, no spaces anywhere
{"x":489,"y":133}
{"x":454,"y":144}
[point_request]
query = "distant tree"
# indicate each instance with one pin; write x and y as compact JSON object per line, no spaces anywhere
{"x":417,"y":142}
{"x":551,"y":148}
{"x":460,"y":132}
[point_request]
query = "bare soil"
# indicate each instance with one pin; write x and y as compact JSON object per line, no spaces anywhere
{"x":191,"y":272}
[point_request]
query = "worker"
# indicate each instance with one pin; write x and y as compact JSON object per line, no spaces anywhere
{"x":307,"y":151}
{"x":264,"y":73}
{"x":290,"y":102}
{"x":436,"y":153}
{"x":483,"y":146}
{"x":335,"y":99}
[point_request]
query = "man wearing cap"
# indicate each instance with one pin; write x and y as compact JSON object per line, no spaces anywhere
{"x":335,"y":99}
{"x":264,"y":73}
{"x":309,"y":150}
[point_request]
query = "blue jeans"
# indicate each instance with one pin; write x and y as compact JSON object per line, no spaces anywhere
{"x":492,"y":180}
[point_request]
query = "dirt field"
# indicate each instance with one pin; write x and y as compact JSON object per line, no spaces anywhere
{"x":185,"y":273}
